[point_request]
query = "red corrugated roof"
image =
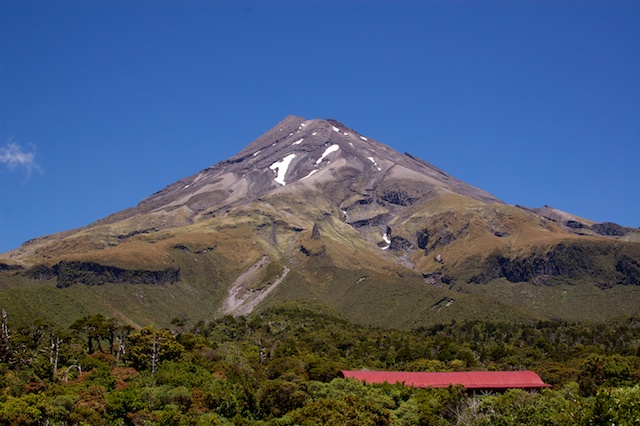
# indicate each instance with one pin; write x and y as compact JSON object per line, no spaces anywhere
{"x":468,"y":379}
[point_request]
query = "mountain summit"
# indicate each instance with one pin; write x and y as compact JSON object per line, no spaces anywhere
{"x":315,"y":212}
{"x":300,"y":155}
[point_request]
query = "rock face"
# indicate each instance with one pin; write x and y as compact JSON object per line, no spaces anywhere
{"x":325,"y":204}
{"x":609,"y":228}
{"x":6,"y":267}
{"x":313,"y":245}
{"x":605,"y":265}
{"x":95,"y":274}
{"x":90,"y":273}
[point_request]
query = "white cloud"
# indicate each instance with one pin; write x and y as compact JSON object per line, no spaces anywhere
{"x":14,"y":156}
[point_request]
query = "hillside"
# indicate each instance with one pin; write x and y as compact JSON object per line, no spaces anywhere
{"x":315,"y":212}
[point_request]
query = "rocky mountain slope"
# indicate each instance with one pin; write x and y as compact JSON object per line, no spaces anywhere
{"x":315,"y":212}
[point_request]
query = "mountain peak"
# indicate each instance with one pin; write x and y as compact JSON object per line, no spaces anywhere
{"x":308,"y":154}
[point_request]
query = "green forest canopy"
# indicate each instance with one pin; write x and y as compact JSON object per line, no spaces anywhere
{"x":281,"y":367}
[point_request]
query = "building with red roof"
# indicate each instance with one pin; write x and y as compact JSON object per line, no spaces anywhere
{"x":472,"y":380}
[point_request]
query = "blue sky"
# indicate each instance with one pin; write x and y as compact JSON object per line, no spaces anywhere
{"x":103,"y":102}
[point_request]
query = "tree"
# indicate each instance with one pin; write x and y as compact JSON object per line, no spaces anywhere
{"x":54,"y":351}
{"x":149,"y":347}
{"x":618,"y":406}
{"x":5,"y":337}
{"x":605,"y":370}
{"x":95,"y":328}
{"x":119,"y":338}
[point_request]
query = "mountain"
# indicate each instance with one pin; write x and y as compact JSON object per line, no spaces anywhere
{"x":316,"y":213}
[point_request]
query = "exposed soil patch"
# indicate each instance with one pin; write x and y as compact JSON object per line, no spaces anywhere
{"x":242,"y":298}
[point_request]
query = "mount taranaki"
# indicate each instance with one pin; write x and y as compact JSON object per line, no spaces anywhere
{"x":313,"y":212}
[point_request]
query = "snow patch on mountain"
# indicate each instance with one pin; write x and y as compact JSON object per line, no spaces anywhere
{"x":298,"y":142}
{"x":328,"y":151}
{"x":281,"y":167}
{"x":387,"y":239}
{"x":310,"y":173}
{"x":374,"y":163}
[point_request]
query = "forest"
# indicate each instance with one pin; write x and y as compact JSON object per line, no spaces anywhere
{"x":281,"y":367}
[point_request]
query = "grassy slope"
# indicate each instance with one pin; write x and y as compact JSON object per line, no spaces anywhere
{"x":350,"y":276}
{"x":581,"y":301}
